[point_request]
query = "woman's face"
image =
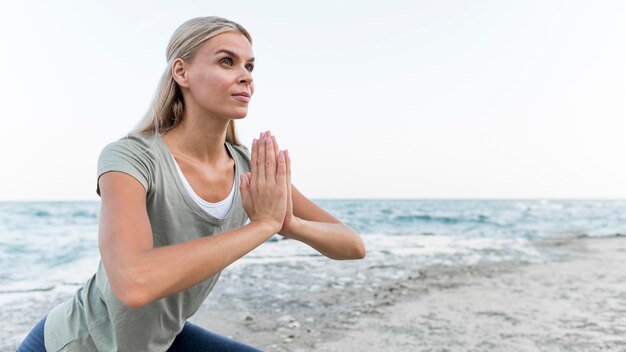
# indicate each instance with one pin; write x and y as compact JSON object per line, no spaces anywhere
{"x":219,"y":77}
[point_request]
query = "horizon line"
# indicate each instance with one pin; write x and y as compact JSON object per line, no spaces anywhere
{"x":351,"y":199}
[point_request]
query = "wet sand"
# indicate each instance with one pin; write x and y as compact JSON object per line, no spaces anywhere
{"x":576,"y":301}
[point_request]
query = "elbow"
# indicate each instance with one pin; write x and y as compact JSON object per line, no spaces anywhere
{"x":359,"y":251}
{"x":130,"y":296}
{"x":362,"y":252}
{"x":133,"y":298}
{"x":130,"y":292}
{"x":354,"y":253}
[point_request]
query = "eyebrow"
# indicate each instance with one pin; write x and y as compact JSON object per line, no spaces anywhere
{"x":231,"y":54}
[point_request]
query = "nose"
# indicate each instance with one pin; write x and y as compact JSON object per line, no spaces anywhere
{"x":246,"y":76}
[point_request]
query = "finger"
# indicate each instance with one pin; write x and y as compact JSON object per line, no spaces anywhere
{"x":270,"y":160}
{"x":253,"y":158}
{"x":276,"y":149}
{"x":288,"y":174}
{"x":288,"y":164}
{"x":245,"y":181}
{"x":281,"y":172}
{"x":253,"y":176}
{"x":268,"y":133}
{"x":244,"y":186}
{"x":261,"y":175}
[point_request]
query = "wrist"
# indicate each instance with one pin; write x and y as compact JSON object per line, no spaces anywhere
{"x":293,"y":228}
{"x":267,"y":227}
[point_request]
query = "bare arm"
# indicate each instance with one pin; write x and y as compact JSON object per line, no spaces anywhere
{"x":310,"y":224}
{"x":314,"y":226}
{"x":140,"y":274}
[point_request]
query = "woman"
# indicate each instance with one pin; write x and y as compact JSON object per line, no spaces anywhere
{"x":171,"y":219}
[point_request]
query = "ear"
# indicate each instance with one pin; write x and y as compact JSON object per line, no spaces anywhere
{"x":179,"y":72}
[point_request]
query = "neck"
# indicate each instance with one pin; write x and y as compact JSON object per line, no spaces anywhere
{"x":200,"y":138}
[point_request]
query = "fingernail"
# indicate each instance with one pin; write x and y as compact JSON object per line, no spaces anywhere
{"x":254,"y":141}
{"x":280,"y":153}
{"x":267,"y":140}
{"x":261,"y":135}
{"x":286,"y":152}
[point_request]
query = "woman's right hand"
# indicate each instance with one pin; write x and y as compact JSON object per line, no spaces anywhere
{"x":264,"y":190}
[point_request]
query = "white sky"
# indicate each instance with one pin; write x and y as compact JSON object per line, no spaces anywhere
{"x":415,"y":99}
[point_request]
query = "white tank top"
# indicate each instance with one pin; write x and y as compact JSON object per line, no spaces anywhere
{"x":219,"y":209}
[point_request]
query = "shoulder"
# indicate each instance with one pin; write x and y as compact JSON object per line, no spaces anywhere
{"x":132,"y":145}
{"x":133,"y":155}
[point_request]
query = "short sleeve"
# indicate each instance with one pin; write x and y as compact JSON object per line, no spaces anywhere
{"x":129,"y":155}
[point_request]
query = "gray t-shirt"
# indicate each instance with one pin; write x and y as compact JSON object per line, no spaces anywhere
{"x":94,"y":319}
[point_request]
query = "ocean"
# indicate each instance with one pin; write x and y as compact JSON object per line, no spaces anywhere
{"x":53,"y":246}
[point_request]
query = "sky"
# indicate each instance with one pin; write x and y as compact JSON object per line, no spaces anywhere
{"x":394,"y":99}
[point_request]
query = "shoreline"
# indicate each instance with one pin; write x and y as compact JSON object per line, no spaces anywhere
{"x":576,"y":301}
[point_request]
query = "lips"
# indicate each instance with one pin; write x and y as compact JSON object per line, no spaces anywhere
{"x":243,"y":97}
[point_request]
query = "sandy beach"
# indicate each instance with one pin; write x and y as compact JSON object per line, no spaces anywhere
{"x":575,"y":302}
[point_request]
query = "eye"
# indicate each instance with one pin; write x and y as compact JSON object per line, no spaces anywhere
{"x":228,"y":60}
{"x":250,"y":67}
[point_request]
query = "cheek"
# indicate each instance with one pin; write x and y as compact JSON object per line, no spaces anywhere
{"x":208,"y":86}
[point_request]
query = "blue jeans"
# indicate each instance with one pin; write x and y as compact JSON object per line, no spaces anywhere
{"x":191,"y":339}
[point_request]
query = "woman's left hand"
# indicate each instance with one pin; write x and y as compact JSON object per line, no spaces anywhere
{"x":290,"y":220}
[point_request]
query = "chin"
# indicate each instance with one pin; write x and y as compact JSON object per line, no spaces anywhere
{"x":240,"y":115}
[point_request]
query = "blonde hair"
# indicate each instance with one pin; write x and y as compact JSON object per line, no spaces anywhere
{"x":167,"y":108}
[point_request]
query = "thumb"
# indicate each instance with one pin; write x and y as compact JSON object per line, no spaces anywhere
{"x":244,"y":186}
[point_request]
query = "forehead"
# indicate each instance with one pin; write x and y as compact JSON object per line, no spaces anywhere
{"x":231,"y":41}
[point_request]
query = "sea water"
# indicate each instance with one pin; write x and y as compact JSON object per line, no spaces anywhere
{"x":52,"y":246}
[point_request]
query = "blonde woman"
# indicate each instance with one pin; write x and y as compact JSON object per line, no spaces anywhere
{"x":177,"y":194}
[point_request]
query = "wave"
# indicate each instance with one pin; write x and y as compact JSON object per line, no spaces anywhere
{"x":75,"y":214}
{"x":26,"y":290}
{"x":84,"y":214}
{"x":41,"y":214}
{"x":482,"y":219}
